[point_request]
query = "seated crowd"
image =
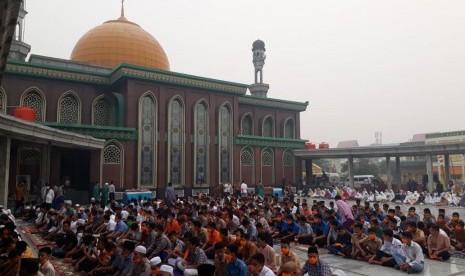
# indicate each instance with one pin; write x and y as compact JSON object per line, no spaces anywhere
{"x":234,"y":235}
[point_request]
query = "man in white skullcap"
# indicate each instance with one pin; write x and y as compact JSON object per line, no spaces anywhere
{"x":166,"y":270}
{"x":142,"y":265}
{"x":155,"y":264}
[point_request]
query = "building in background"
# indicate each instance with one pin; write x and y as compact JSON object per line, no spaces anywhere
{"x":159,"y":126}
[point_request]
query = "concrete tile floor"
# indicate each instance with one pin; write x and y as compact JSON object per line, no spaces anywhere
{"x":455,"y":266}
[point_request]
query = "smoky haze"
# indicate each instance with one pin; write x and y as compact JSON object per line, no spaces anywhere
{"x":364,"y":66}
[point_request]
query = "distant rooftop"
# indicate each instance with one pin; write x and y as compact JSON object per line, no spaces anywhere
{"x":347,"y":144}
{"x":418,"y":137}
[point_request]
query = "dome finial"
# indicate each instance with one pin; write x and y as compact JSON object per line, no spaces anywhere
{"x":122,"y":8}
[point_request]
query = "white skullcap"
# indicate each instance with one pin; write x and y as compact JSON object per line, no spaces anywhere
{"x":155,"y":261}
{"x":92,"y":199}
{"x":167,"y":268}
{"x":124,"y":214}
{"x":140,"y":249}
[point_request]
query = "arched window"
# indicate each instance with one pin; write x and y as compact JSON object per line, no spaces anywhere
{"x":2,"y":101}
{"x":288,"y":158}
{"x":35,"y":99}
{"x":268,"y":127}
{"x":267,"y":157}
{"x":247,"y":157}
{"x":112,"y":153}
{"x":288,"y":166}
{"x":247,"y":125}
{"x":101,"y":112}
{"x":225,"y":143}
{"x":176,"y":142}
{"x":147,"y":140}
{"x":201,"y":135}
{"x":69,"y":109}
{"x":289,"y":129}
{"x":267,"y":166}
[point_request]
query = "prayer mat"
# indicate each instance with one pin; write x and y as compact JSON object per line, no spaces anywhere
{"x":62,"y":268}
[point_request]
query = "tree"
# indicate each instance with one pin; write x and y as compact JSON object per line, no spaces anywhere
{"x":362,"y":166}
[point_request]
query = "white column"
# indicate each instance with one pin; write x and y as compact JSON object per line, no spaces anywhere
{"x":388,"y":172}
{"x":5,"y":148}
{"x":351,"y":172}
{"x":429,"y":171}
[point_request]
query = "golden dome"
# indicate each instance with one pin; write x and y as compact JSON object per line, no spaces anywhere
{"x":120,"y":41}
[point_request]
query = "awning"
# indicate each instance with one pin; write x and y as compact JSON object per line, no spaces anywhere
{"x":32,"y":132}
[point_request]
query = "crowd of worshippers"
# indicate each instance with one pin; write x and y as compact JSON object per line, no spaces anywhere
{"x":16,"y":256}
{"x":234,"y":235}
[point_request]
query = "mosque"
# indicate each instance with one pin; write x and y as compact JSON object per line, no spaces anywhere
{"x":156,"y":126}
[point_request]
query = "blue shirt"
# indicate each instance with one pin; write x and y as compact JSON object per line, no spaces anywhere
{"x":279,"y":225}
{"x":252,"y":232}
{"x":236,"y":268}
{"x":121,"y":226}
{"x":292,"y":228}
{"x":321,"y":229}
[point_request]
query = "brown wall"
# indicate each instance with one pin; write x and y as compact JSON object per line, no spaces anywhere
{"x":132,"y":90}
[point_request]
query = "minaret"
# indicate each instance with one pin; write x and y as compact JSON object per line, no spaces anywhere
{"x":259,"y":89}
{"x":19,"y":50}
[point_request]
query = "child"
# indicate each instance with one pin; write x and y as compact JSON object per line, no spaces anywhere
{"x":45,"y":267}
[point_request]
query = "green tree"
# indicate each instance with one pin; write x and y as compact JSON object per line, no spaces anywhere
{"x":362,"y":166}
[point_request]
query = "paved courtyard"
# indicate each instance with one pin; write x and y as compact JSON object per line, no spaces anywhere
{"x":455,"y":266}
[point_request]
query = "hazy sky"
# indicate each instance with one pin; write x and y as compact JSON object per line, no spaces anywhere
{"x":393,"y":66}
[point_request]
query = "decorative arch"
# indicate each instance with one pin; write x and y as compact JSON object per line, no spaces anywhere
{"x":2,"y":101}
{"x":69,"y":108}
{"x":201,"y":142}
{"x":113,"y":160}
{"x":289,"y":128}
{"x":288,"y":162}
{"x":247,"y":124}
{"x":267,"y":166}
{"x":247,"y":167}
{"x":102,"y":111}
{"x":34,"y":98}
{"x":225,"y":136}
{"x":268,"y":126}
{"x":176,"y":141}
{"x":147,"y":143}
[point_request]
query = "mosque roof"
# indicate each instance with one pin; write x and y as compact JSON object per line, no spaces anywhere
{"x":120,"y":41}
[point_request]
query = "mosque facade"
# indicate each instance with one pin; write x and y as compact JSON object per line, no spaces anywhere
{"x":159,"y":126}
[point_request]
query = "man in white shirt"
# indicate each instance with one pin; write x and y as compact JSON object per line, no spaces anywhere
{"x":244,"y":189}
{"x":384,"y":256}
{"x":112,"y":190}
{"x":49,"y":195}
{"x":411,"y":258}
{"x":257,"y":266}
